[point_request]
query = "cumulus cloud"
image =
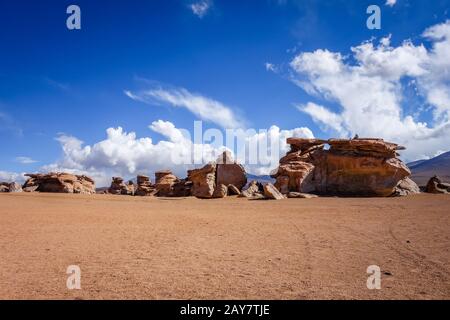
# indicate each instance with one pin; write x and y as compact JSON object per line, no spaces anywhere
{"x":368,"y":88}
{"x":203,"y":107}
{"x":124,"y":154}
{"x":391,"y":3}
{"x":200,"y":8}
{"x":6,"y":176}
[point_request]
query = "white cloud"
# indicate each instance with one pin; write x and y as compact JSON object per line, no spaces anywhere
{"x":368,"y":88}
{"x":391,"y":3}
{"x":203,"y":107}
{"x":270,"y":67}
{"x":25,"y":160}
{"x":123,"y":154}
{"x":200,"y":8}
{"x":6,"y":176}
{"x":324,"y":116}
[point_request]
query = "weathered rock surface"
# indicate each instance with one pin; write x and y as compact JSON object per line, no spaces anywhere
{"x":4,"y":187}
{"x":270,"y":192}
{"x":144,"y":187}
{"x":119,"y":187}
{"x":253,"y":189}
{"x":15,"y":187}
{"x":221,"y":191}
{"x":223,"y":172}
{"x":356,"y":167}
{"x":203,"y":181}
{"x":59,"y":183}
{"x":164,"y":183}
{"x":299,"y":195}
{"x":233,"y":190}
{"x":229,"y":172}
{"x":435,"y":185}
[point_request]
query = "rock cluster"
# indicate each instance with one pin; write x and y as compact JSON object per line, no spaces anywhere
{"x":144,"y":186}
{"x":435,"y":185}
{"x":59,"y":183}
{"x":119,"y":187}
{"x":10,"y":187}
{"x":215,"y":179}
{"x":350,"y":167}
{"x":169,"y":185}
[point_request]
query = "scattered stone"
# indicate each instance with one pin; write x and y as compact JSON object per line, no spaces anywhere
{"x":257,"y":196}
{"x":356,"y":167}
{"x":271,"y":192}
{"x":435,"y":185}
{"x":300,"y":195}
{"x":233,"y":190}
{"x":253,"y":188}
{"x":59,"y":183}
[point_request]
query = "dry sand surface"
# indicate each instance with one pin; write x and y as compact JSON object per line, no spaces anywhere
{"x":150,"y":248}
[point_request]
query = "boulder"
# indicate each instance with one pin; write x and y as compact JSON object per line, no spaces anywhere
{"x":233,"y":190}
{"x":164,"y":183}
{"x":229,"y":172}
{"x":15,"y":187}
{"x":59,"y":182}
{"x":4,"y":187}
{"x":144,"y":186}
{"x":221,"y":191}
{"x":270,"y":192}
{"x":299,"y":195}
{"x":182,"y":188}
{"x":435,"y":185}
{"x":119,"y":187}
{"x":254,"y":188}
{"x":203,"y":181}
{"x":349,"y":167}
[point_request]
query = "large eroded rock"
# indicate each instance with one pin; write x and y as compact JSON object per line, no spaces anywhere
{"x":436,"y":185}
{"x":356,"y":167}
{"x":59,"y":183}
{"x":203,"y":181}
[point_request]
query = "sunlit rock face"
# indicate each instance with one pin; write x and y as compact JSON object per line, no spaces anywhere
{"x":348,"y":167}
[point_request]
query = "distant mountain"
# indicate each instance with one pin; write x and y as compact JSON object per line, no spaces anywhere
{"x":423,"y":170}
{"x":262,"y":179}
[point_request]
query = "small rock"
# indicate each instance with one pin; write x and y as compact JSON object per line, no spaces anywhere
{"x":300,"y":195}
{"x":233,"y":190}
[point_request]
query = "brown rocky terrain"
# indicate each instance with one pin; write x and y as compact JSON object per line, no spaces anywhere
{"x":231,"y":248}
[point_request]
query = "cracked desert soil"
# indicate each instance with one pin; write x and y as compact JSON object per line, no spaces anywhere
{"x":150,"y":248}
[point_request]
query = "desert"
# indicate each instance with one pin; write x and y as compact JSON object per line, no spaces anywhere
{"x":232,"y":248}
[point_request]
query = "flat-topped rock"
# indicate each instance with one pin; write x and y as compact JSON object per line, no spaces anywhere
{"x":60,"y":182}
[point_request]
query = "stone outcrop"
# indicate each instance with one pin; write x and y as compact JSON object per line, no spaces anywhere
{"x":164,"y":183}
{"x":144,"y":187}
{"x":203,"y":181}
{"x":220,"y":174}
{"x":435,"y":185}
{"x":15,"y":187}
{"x":229,"y":172}
{"x":355,"y":167}
{"x":4,"y":187}
{"x":59,"y":183}
{"x":119,"y":187}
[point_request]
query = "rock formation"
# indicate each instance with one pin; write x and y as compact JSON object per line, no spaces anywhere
{"x":203,"y":181}
{"x":221,"y":174}
{"x":435,"y":185}
{"x":119,"y":187}
{"x":355,"y":167}
{"x":164,"y":182}
{"x":59,"y":183}
{"x":15,"y":187}
{"x":4,"y":187}
{"x":145,"y":187}
{"x":254,"y":189}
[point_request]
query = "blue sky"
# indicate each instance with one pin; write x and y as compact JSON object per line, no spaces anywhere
{"x":56,"y":82}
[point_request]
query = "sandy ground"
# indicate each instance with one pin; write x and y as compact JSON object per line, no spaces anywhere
{"x":149,"y":248}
